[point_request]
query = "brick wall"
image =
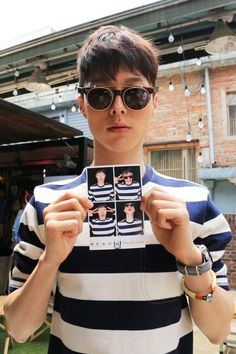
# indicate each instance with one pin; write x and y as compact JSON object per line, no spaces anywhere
{"x":176,"y":111}
{"x":230,"y":254}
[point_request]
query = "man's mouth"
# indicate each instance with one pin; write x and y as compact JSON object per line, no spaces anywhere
{"x":118,"y":128}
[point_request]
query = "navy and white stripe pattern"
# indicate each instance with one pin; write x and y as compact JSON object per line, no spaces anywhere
{"x":101,"y":193}
{"x":128,"y":191}
{"x":121,"y":301}
{"x":103,"y":227}
{"x":133,"y":228}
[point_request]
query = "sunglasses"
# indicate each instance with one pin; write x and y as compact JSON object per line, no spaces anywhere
{"x":126,"y":177}
{"x":129,"y":205}
{"x":101,"y":98}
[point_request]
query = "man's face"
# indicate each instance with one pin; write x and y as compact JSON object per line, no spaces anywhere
{"x":128,"y":178}
{"x":129,"y":209}
{"x":100,"y":177}
{"x":102,"y":213}
{"x":118,"y":129}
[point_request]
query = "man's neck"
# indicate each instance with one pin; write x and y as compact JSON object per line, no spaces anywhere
{"x":129,"y":218}
{"x":104,"y":158}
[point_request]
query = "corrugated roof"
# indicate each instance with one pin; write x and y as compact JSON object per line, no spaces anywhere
{"x":18,"y":124}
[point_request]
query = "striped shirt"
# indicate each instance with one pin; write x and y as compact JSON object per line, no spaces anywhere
{"x":128,"y":191}
{"x":121,"y":301}
{"x":133,"y":228}
{"x":103,"y":227}
{"x":101,"y":193}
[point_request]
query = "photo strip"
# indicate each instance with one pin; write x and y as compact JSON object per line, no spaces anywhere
{"x":115,"y":220}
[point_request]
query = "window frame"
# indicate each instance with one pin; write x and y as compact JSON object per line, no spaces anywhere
{"x":194,"y":144}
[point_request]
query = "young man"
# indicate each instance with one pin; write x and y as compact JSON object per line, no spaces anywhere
{"x":126,"y":300}
{"x":126,"y":188}
{"x":101,"y":190}
{"x":130,"y":226}
{"x":102,"y":225}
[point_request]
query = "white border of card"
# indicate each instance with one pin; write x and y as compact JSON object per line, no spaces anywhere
{"x":115,"y":220}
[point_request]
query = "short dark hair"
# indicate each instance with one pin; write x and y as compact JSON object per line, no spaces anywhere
{"x":127,"y":170}
{"x":102,"y":205}
{"x":129,"y":204}
{"x":111,"y":47}
{"x":100,"y":170}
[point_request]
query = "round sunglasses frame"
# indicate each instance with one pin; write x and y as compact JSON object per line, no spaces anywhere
{"x":115,"y":92}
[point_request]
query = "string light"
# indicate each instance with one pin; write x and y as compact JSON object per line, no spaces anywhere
{"x":73,"y":108}
{"x":17,"y":73}
{"x":186,"y":91}
{"x":15,"y":92}
{"x":180,"y":49}
{"x":202,"y":89}
{"x":200,"y":158}
{"x":53,"y":106}
{"x":188,"y":137}
{"x":200,"y":123}
{"x":198,"y":62}
{"x":171,"y":38}
{"x":171,"y":86}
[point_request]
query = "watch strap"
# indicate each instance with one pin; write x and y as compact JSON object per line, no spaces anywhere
{"x":198,"y":270}
{"x":201,"y":296}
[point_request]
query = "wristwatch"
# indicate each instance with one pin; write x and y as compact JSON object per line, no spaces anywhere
{"x":204,"y":267}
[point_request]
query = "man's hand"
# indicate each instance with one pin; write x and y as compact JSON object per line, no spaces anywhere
{"x":63,"y":220}
{"x":169,"y":218}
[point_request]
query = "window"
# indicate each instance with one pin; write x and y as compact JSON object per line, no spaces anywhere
{"x":178,"y":163}
{"x":231,"y":112}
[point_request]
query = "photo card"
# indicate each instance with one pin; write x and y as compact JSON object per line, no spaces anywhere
{"x":115,"y":220}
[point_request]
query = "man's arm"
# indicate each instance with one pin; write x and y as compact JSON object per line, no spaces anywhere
{"x":26,"y":307}
{"x":213,"y":318}
{"x":170,"y":223}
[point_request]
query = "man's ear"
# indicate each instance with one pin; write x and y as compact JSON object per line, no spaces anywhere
{"x":81,"y":105}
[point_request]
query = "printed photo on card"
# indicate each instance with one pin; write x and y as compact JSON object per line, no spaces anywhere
{"x":115,"y":220}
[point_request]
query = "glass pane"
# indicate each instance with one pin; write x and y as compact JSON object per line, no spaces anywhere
{"x":232,"y":120}
{"x":175,"y":163}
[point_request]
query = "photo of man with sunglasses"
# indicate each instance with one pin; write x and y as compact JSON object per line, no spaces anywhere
{"x":131,"y":225}
{"x":126,"y":187}
{"x":121,"y":301}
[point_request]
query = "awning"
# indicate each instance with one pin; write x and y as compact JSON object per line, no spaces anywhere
{"x":18,"y":124}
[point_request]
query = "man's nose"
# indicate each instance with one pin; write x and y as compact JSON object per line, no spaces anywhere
{"x":118,"y":106}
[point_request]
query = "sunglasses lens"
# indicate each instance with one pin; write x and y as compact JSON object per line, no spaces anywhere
{"x":99,"y":98}
{"x":136,"y":98}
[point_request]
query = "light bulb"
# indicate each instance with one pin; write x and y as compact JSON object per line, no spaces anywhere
{"x":171,"y":38}
{"x":171,"y":86}
{"x":53,"y":106}
{"x":200,"y":158}
{"x":17,"y":73}
{"x":188,"y":137}
{"x":186,"y":91}
{"x":180,"y":50}
{"x":73,"y":108}
{"x":200,"y":123}
{"x":15,"y":92}
{"x":202,"y":89}
{"x":198,"y":62}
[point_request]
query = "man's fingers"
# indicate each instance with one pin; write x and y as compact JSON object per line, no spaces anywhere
{"x":84,"y":201}
{"x":66,"y":215}
{"x":71,"y":227}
